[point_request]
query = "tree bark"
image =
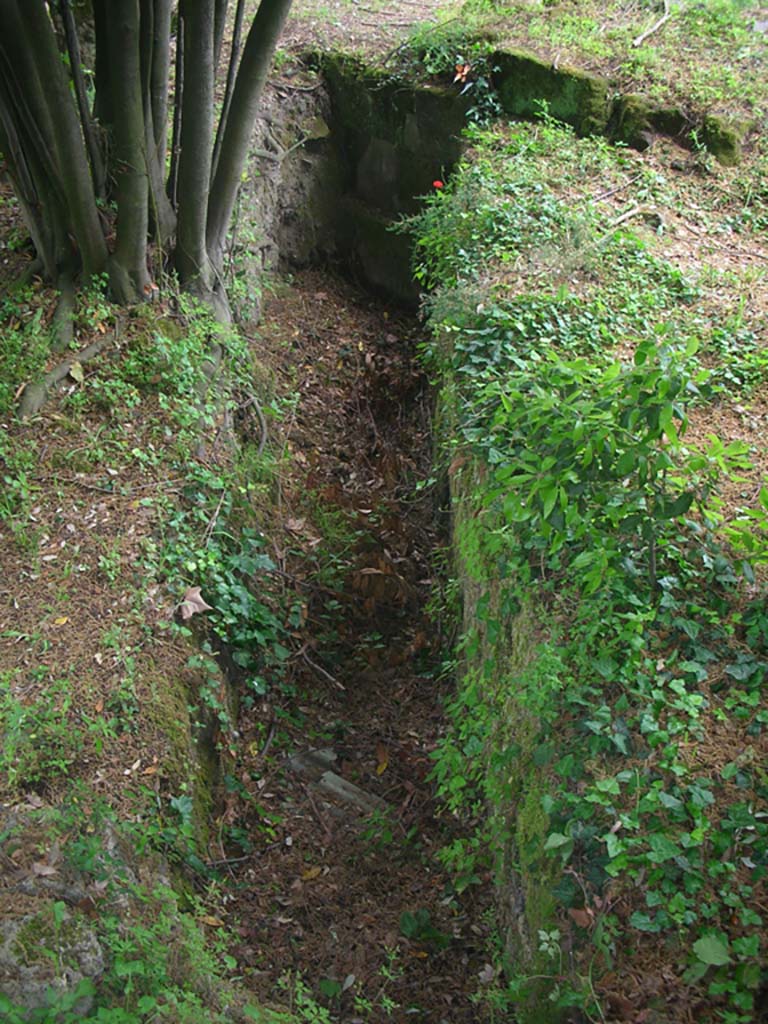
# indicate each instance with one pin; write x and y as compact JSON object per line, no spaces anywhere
{"x":98,"y":172}
{"x":161,"y":215}
{"x":219,"y":26}
{"x":160,"y":75}
{"x":249,"y":85}
{"x":103,"y":107}
{"x":128,"y":268}
{"x":234,"y":55}
{"x":172,"y":188}
{"x":192,"y":262}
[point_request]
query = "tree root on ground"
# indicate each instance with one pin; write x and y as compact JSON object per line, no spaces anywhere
{"x":35,"y":395}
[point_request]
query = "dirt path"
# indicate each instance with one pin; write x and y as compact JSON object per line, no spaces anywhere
{"x":324,"y":892}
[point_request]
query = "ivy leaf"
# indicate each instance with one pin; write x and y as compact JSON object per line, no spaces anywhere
{"x":711,"y":950}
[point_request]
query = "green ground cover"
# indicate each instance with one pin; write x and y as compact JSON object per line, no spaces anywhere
{"x":611,"y":712}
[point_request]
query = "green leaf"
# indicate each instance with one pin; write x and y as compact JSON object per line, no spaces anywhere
{"x":329,"y":987}
{"x":643,"y":922}
{"x":711,"y":950}
{"x":662,"y":848}
{"x":556,"y":840}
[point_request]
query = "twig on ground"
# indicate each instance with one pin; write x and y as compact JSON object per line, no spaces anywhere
{"x":321,"y":671}
{"x":320,"y":817}
{"x":269,"y":740}
{"x":638,"y":40}
{"x":213,"y":520}
{"x":619,"y":188}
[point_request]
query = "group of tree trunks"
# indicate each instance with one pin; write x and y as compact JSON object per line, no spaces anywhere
{"x":87,"y":147}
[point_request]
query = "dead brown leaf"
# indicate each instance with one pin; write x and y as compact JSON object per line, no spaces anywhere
{"x":193,"y":603}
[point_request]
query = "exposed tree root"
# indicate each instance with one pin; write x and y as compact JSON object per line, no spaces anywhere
{"x":25,"y":278}
{"x":35,"y":395}
{"x":62,"y":325}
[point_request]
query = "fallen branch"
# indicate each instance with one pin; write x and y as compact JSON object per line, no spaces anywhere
{"x":627,"y":216}
{"x":649,"y":32}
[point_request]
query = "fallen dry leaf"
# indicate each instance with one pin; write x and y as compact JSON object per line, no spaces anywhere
{"x":581,"y":916}
{"x":382,"y":758}
{"x":193,"y":603}
{"x":44,"y":870}
{"x":310,"y":873}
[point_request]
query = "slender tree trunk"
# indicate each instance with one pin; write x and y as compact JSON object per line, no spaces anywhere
{"x":172,"y":187}
{"x":25,"y":88}
{"x":103,"y":108}
{"x":160,"y":75}
{"x":161,"y":215}
{"x":219,"y":27}
{"x":196,"y":139}
{"x":234,"y":55}
{"x":42,"y":210}
{"x":98,"y":172}
{"x":128,"y":268}
{"x":57,"y":158}
{"x":249,"y":85}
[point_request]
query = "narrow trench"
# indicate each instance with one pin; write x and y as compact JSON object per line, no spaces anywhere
{"x":349,"y":899}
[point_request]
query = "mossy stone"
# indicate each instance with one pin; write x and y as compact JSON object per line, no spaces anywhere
{"x":396,"y":137}
{"x":575,"y":97}
{"x":722,"y":140}
{"x":381,"y":256}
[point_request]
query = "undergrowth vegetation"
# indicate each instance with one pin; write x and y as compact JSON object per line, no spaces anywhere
{"x":146,"y":430}
{"x":610,"y":716}
{"x":710,"y":54}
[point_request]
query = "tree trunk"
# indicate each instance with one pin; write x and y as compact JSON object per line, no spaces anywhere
{"x":41,"y":208}
{"x":219,"y":26}
{"x":251,"y":78}
{"x":98,"y":172}
{"x":234,"y":55}
{"x":172,"y":188}
{"x":128,"y":268}
{"x":159,"y":77}
{"x":192,"y":261}
{"x":103,"y":107}
{"x":36,"y":98}
{"x":161,"y":215}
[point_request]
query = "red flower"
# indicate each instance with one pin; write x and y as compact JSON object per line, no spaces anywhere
{"x":438,"y":184}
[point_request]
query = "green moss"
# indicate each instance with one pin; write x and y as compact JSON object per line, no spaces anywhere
{"x":189,"y":762}
{"x":722,"y":140}
{"x":370,"y":245}
{"x":575,"y":97}
{"x":397,"y":137}
{"x":631,"y":120}
{"x":514,"y":784}
{"x":55,"y":938}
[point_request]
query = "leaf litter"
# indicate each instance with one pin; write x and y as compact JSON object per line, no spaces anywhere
{"x":329,"y":906}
